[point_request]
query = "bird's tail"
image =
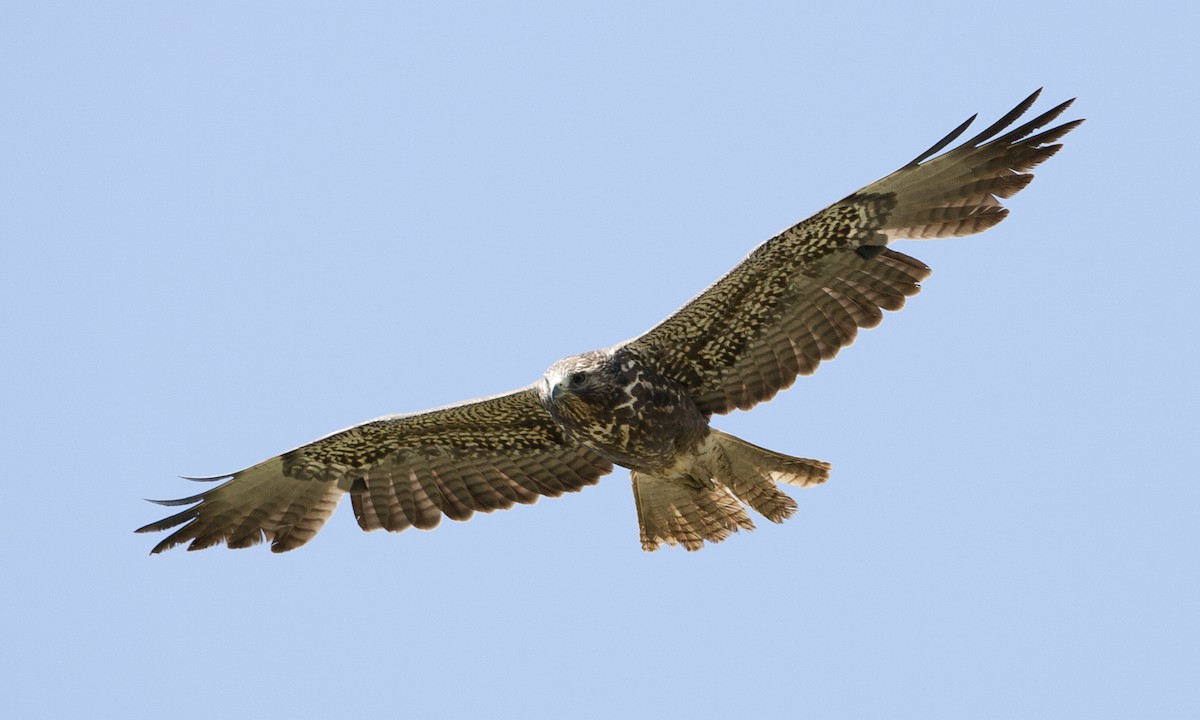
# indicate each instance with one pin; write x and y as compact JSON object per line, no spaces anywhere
{"x":753,"y":472}
{"x":705,"y":504}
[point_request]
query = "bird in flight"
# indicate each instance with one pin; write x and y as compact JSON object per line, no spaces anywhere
{"x":646,"y":403}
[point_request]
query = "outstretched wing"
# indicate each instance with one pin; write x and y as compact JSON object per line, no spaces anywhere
{"x":800,"y":297}
{"x":400,"y":471}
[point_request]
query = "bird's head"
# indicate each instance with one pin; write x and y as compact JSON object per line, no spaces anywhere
{"x":576,"y":376}
{"x":575,"y":386}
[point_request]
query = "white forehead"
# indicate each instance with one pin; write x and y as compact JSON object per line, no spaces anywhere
{"x":583,"y":361}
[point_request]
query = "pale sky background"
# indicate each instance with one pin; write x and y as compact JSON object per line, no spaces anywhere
{"x":229,"y":228}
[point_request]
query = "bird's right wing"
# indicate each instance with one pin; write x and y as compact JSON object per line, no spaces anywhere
{"x":400,"y":471}
{"x":800,"y":297}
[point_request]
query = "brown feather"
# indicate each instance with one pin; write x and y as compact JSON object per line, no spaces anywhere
{"x":811,"y":286}
{"x":407,"y":470}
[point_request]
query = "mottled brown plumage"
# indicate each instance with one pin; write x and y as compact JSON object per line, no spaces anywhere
{"x":645,"y":404}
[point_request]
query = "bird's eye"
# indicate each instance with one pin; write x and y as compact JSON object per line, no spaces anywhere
{"x":576,"y":379}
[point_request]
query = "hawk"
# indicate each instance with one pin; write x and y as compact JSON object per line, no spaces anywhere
{"x":646,"y":403}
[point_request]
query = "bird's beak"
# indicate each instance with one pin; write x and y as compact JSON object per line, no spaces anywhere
{"x":554,"y":387}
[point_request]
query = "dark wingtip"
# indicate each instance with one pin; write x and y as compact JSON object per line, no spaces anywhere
{"x":1009,"y":118}
{"x":1012,"y":136}
{"x":166,"y":544}
{"x":988,"y":134}
{"x":176,"y":502}
{"x":940,"y":144}
{"x":208,"y":478}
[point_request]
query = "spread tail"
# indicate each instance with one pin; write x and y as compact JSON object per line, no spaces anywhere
{"x":685,"y":511}
{"x":702,"y":504}
{"x":755,"y":470}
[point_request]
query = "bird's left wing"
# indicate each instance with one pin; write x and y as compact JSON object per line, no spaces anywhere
{"x":400,"y":471}
{"x":800,"y":297}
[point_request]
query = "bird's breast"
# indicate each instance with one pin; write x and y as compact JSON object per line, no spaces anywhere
{"x":641,"y":419}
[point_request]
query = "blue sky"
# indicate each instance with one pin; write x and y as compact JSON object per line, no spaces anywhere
{"x":227,"y":229}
